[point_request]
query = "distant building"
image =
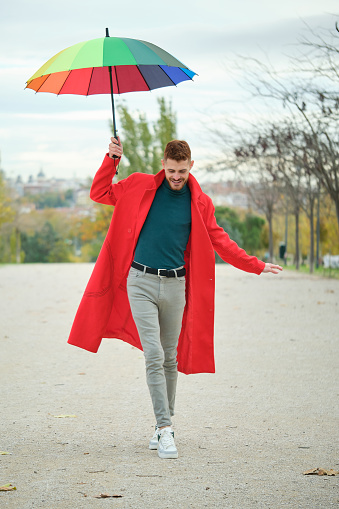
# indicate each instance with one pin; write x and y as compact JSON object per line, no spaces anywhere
{"x":38,"y":185}
{"x":42,"y":184}
{"x":227,"y":194}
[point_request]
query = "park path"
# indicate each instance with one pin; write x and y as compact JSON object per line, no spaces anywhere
{"x":245,"y":435}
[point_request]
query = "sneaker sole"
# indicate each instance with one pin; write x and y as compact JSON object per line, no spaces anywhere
{"x":171,"y":455}
{"x":153,"y":447}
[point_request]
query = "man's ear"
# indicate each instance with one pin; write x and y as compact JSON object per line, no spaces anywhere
{"x":191,"y":165}
{"x":163,"y":163}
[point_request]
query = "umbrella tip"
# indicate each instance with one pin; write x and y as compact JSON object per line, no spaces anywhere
{"x":107,"y":32}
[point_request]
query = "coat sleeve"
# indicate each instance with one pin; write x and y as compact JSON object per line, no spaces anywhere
{"x":102,"y":190}
{"x":226,"y":248}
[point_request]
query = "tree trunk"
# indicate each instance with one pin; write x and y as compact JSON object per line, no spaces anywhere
{"x":286,"y":235}
{"x":18,"y":245}
{"x":337,"y":210}
{"x":311,"y":234}
{"x":270,"y":237}
{"x":318,"y":232}
{"x":297,"y":253}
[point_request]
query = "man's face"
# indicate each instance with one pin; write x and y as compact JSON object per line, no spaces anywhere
{"x":176,"y":172}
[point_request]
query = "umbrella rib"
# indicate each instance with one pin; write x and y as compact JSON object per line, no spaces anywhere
{"x":89,"y":84}
{"x":167,"y":75}
{"x":62,"y":86}
{"x":116,"y":78}
{"x":143,"y":77}
{"x":42,"y":84}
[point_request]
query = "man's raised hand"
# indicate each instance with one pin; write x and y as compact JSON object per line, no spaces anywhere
{"x":115,"y":148}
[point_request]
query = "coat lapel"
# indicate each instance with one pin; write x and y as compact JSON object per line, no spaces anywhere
{"x":146,"y":201}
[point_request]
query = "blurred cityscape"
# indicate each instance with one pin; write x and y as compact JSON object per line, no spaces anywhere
{"x":71,"y":192}
{"x":54,"y":220}
{"x":229,"y":193}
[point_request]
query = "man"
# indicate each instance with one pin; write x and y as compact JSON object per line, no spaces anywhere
{"x":153,"y":283}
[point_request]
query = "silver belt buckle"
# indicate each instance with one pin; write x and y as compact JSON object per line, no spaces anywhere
{"x":159,"y":275}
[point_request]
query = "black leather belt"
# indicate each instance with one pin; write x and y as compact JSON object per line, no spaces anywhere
{"x":159,"y":272}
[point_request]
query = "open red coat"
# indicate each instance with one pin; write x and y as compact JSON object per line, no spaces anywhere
{"x":104,"y":310}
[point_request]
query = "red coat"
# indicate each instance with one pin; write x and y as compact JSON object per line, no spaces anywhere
{"x":104,"y":310}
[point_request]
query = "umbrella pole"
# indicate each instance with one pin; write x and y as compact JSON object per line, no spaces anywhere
{"x":112,"y":98}
{"x":112,"y":101}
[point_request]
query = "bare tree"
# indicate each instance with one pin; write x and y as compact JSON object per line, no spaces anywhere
{"x":295,"y":164}
{"x":260,"y":183}
{"x":309,"y":93}
{"x":265,"y":195}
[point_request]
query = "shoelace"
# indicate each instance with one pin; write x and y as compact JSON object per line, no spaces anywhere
{"x":166,"y":438}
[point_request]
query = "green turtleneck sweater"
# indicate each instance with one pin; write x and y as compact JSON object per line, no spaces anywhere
{"x":164,"y":235}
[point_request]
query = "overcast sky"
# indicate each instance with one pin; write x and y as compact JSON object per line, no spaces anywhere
{"x":68,"y":135}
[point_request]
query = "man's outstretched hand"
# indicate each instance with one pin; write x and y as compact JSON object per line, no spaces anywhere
{"x":115,"y":148}
{"x":270,"y":267}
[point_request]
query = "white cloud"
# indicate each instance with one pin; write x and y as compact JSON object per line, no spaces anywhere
{"x":70,"y":116}
{"x":70,"y":133}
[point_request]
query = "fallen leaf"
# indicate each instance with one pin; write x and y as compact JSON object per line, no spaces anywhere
{"x":106,"y":495}
{"x":63,"y":416}
{"x":7,"y":487}
{"x":4,"y":453}
{"x":81,"y":373}
{"x":321,"y":471}
{"x":310,"y":472}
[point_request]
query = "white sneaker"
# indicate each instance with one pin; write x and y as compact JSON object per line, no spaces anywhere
{"x":166,"y":445}
{"x":153,"y":443}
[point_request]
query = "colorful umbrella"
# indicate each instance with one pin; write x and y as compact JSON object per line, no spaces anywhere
{"x":109,"y":65}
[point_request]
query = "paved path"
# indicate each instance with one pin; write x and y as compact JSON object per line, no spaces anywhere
{"x":245,"y":435}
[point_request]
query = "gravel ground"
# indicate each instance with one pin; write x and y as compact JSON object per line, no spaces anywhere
{"x":245,"y":435}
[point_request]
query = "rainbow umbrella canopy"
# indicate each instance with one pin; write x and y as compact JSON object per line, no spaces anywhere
{"x":109,"y":65}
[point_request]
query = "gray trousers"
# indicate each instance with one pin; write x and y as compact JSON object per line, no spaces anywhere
{"x":157,"y":305}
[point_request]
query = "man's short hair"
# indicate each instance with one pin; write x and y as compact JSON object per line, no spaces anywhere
{"x":178,"y":150}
